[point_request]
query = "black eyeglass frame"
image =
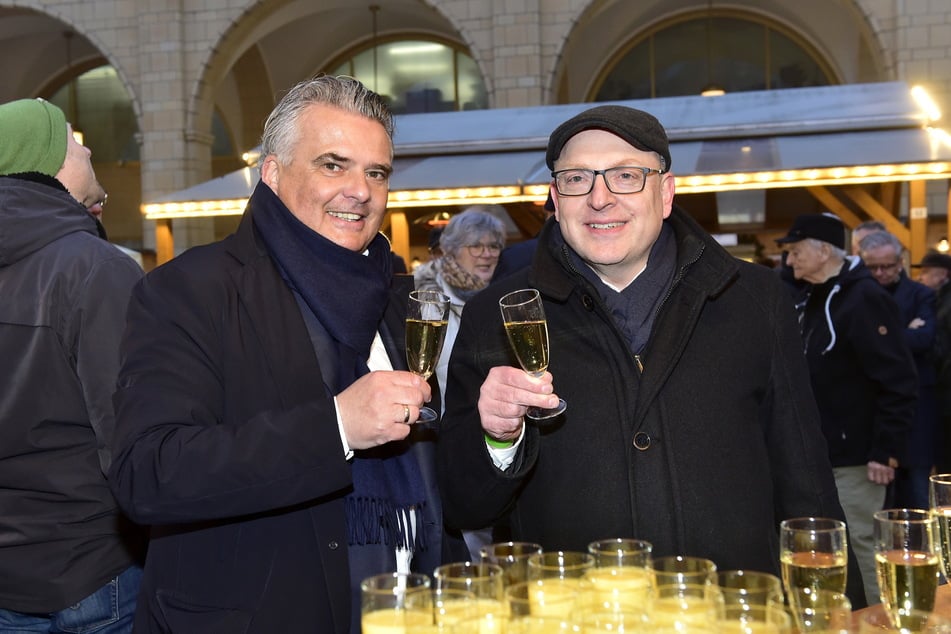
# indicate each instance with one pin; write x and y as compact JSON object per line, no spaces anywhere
{"x":646,"y":171}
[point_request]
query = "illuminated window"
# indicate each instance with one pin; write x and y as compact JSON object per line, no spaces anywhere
{"x":418,"y":76}
{"x":735,"y":53}
{"x":97,"y":104}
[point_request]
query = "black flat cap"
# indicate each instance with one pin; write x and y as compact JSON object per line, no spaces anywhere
{"x":640,"y":129}
{"x":825,"y":227}
{"x":934,"y":259}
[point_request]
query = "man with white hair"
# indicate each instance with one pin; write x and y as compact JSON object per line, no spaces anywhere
{"x":863,"y":374}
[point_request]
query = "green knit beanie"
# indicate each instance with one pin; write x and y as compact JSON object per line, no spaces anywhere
{"x":32,"y":137}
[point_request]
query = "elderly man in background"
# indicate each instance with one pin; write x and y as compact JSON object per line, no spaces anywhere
{"x":863,"y":374}
{"x":69,"y":561}
{"x":882,"y":254}
{"x":690,"y":420}
{"x":935,"y":273}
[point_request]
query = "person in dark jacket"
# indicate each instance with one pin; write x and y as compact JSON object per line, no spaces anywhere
{"x":863,"y":374}
{"x":690,"y":419}
{"x":881,"y":252}
{"x":69,"y":560}
{"x":263,"y":402}
{"x":935,"y":273}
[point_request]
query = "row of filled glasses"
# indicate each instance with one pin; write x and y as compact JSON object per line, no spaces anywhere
{"x":615,"y":586}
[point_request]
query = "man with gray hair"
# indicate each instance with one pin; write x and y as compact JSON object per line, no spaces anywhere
{"x":264,"y":405}
{"x":863,"y":375}
{"x":882,"y":252}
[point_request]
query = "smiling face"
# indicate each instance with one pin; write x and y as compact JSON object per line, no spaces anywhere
{"x":480,"y":256}
{"x":336,"y":179}
{"x":612,"y":233}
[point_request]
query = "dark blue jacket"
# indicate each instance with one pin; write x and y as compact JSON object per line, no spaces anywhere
{"x":917,"y":300}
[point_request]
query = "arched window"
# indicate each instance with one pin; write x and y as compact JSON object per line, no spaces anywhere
{"x":418,"y":75}
{"x":97,"y":104}
{"x":733,"y":52}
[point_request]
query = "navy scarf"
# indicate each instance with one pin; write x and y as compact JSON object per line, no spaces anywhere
{"x":348,"y":293}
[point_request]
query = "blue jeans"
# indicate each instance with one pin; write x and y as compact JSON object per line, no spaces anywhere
{"x":108,"y":610}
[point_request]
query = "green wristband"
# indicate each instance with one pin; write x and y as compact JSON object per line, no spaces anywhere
{"x":498,"y":444}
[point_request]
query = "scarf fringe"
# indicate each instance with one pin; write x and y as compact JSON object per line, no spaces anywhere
{"x":379,"y":521}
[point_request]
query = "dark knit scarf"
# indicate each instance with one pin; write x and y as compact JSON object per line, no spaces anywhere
{"x":348,"y":294}
{"x":634,"y":308}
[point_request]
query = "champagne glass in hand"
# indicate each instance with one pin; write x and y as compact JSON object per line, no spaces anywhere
{"x":427,"y":318}
{"x":524,"y":317}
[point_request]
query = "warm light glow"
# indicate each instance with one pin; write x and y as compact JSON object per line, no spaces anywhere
{"x":693,"y":184}
{"x":415,"y":49}
{"x":926,"y":103}
{"x":79,"y":136}
{"x":942,"y":245}
{"x":712,"y":91}
{"x":810,"y":177}
{"x":194,"y":209}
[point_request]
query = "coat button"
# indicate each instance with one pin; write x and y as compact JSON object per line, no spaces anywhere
{"x":642,"y":440}
{"x":333,"y":545}
{"x":587,"y":302}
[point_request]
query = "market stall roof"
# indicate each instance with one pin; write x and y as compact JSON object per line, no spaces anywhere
{"x":751,"y":140}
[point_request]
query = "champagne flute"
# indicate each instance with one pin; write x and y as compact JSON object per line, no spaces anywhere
{"x":390,"y":602}
{"x":524,"y":317}
{"x":939,"y":489}
{"x":906,"y":562}
{"x":813,"y":554}
{"x":427,"y":319}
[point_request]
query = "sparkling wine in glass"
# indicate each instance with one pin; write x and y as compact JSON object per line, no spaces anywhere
{"x":906,"y":563}
{"x":523,"y":315}
{"x":427,"y":318}
{"x":939,"y":486}
{"x":813,"y":554}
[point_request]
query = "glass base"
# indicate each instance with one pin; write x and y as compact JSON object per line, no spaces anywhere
{"x":540,"y":413}
{"x":427,"y":415}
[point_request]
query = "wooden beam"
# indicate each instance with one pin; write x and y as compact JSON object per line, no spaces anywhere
{"x":399,"y":227}
{"x":918,"y":214}
{"x":877,"y":211}
{"x":833,"y":204}
{"x":164,"y":241}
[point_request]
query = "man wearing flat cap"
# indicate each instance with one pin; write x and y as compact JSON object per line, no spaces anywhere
{"x":863,"y":374}
{"x":935,"y":273}
{"x":70,"y":559}
{"x":690,"y":422}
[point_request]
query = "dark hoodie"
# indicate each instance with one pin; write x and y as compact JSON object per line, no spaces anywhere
{"x":63,"y":296}
{"x":863,"y":374}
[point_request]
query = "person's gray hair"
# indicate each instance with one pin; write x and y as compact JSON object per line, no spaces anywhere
{"x":465,"y":228}
{"x":280,"y":129}
{"x":834,"y":250}
{"x":880,"y":239}
{"x":870,"y":225}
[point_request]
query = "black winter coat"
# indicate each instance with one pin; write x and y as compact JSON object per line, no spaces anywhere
{"x":227,"y":443}
{"x":863,"y":374}
{"x":703,"y":454}
{"x":63,"y":296}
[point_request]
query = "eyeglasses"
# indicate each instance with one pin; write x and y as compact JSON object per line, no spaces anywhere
{"x":620,"y":180}
{"x":492,"y":249}
{"x":875,"y":268}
